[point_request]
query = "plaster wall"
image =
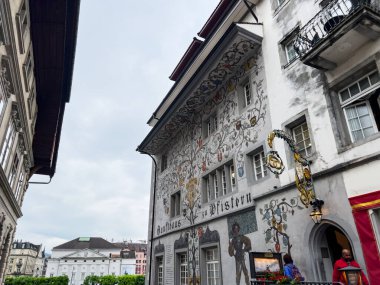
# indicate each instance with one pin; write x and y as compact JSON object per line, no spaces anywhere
{"x":362,"y":180}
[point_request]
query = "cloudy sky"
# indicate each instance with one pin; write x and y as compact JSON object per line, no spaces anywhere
{"x":125,"y":53}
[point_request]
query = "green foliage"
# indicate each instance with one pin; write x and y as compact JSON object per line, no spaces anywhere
{"x":112,"y":280}
{"x":23,"y":280}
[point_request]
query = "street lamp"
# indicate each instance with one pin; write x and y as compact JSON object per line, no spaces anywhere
{"x":352,"y":275}
{"x":316,"y":213}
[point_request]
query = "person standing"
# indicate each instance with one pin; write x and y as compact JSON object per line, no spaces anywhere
{"x":290,"y":270}
{"x":238,"y":246}
{"x":344,"y":261}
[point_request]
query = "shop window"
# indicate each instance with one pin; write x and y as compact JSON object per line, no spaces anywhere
{"x":175,"y":204}
{"x":361,"y":106}
{"x":219,"y":182}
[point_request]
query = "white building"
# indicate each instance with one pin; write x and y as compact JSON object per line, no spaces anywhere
{"x":37,"y":47}
{"x":307,"y":67}
{"x":86,"y":256}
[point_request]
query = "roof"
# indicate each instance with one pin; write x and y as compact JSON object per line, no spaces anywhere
{"x":216,"y":18}
{"x":186,"y":59}
{"x":53,"y":29}
{"x":90,"y":243}
{"x":132,"y":246}
{"x":26,"y":245}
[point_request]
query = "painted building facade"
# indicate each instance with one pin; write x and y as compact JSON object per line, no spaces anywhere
{"x":309,"y":68}
{"x":25,"y":259}
{"x":86,"y":256}
{"x":35,"y":82}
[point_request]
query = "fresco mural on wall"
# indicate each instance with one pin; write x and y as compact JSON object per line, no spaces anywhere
{"x":192,"y":154}
{"x":238,"y":245}
{"x":246,"y":220}
{"x":275,"y":214}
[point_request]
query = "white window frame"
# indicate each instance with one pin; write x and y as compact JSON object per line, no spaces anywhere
{"x":247,"y":91}
{"x":219,"y":182}
{"x":308,"y":149}
{"x":12,"y":178}
{"x":232,"y":177}
{"x":160,"y":270}
{"x":374,"y":126}
{"x":362,"y":93}
{"x":212,"y":265}
{"x":6,"y":148}
{"x":289,"y":47}
{"x":210,"y":125}
{"x":264,"y":170}
{"x":375,"y":221}
{"x":183,"y":268}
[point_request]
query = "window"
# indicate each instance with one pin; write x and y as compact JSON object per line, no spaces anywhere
{"x":7,"y":144}
{"x":182,"y":269}
{"x":22,"y":25}
{"x":175,"y":204}
{"x":164,"y":162}
{"x":28,"y":70}
{"x":212,"y":266}
{"x":82,"y":276}
{"x":14,"y":169}
{"x":302,"y":140}
{"x":375,"y":219}
{"x":160,"y":270}
{"x":260,"y":170}
{"x":361,"y":106}
{"x":210,"y":125}
{"x":3,"y":40}
{"x":219,"y":182}
{"x":291,"y":54}
{"x":247,"y":94}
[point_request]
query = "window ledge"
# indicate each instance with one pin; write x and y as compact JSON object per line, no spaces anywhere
{"x":279,"y":8}
{"x":359,"y":143}
{"x":290,"y":63}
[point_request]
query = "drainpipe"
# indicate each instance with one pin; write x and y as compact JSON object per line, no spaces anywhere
{"x":153,"y":207}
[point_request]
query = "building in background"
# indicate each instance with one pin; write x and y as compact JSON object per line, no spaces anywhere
{"x":25,"y":259}
{"x":137,"y":250}
{"x":37,"y":46}
{"x":309,"y":68}
{"x":86,"y":256}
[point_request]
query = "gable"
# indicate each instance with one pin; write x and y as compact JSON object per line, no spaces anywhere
{"x":85,"y":253}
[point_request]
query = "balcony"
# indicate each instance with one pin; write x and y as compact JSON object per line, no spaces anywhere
{"x":337,"y":31}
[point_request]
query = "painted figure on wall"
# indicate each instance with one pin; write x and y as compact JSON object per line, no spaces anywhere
{"x":238,"y":246}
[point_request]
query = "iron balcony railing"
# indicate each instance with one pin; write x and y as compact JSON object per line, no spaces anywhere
{"x":327,"y":20}
{"x":301,"y":283}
